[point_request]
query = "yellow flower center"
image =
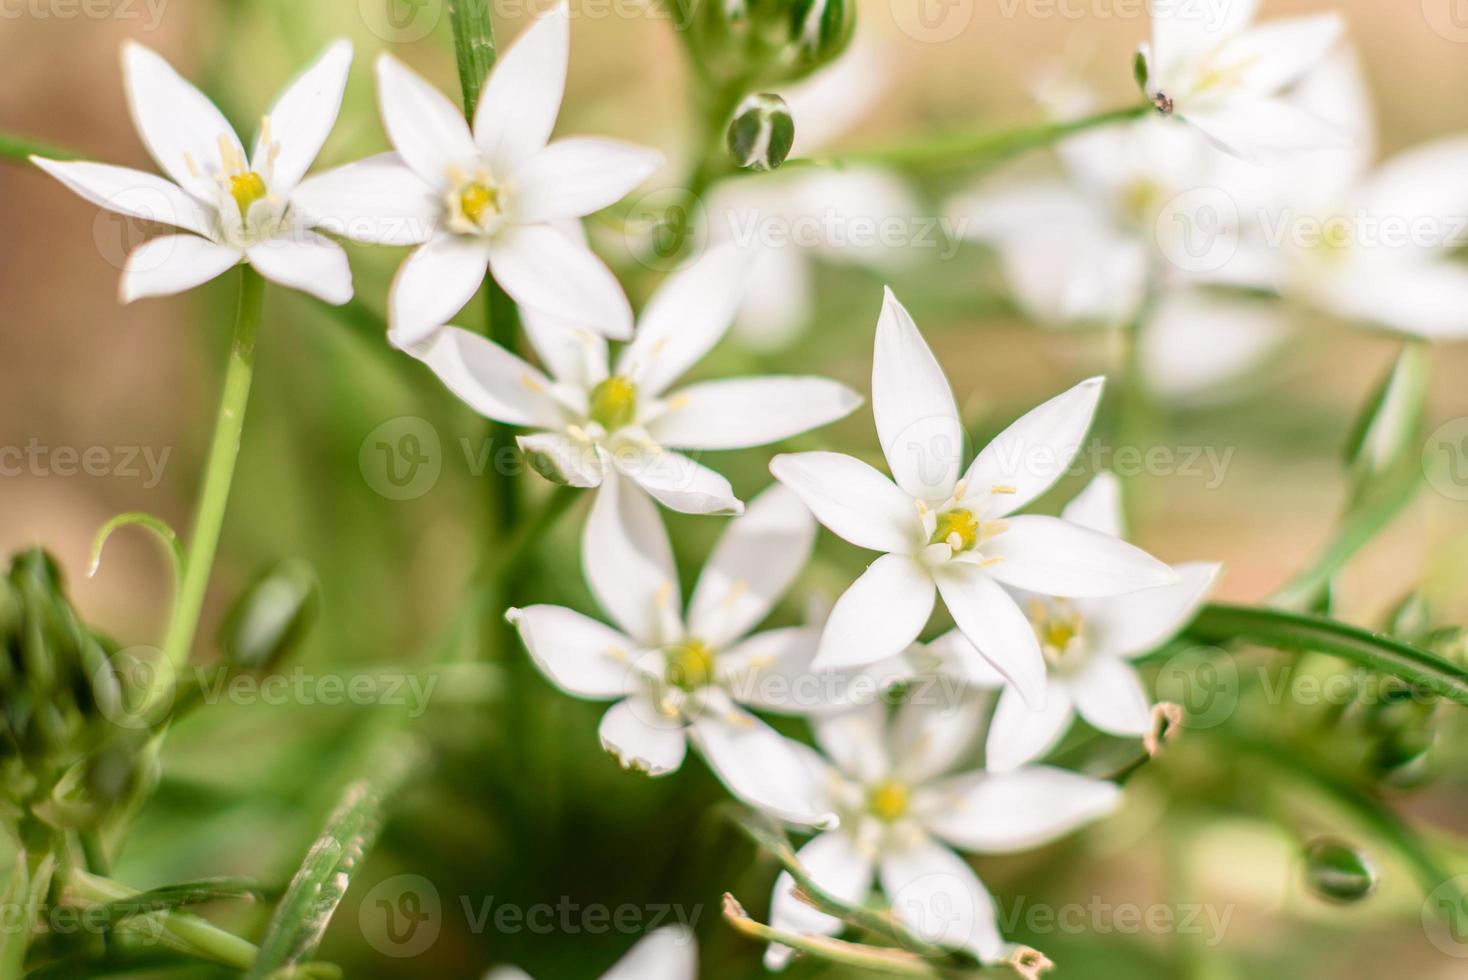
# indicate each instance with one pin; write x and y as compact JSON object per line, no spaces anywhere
{"x":888,"y":800}
{"x":1060,"y":630}
{"x":690,"y":665}
{"x":1335,"y":237}
{"x":246,"y":189}
{"x":958,"y":528}
{"x":478,"y":201}
{"x":614,"y":403}
{"x":1140,"y":199}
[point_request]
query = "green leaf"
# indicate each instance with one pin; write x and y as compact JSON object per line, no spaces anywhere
{"x":177,"y":896}
{"x":303,"y":914}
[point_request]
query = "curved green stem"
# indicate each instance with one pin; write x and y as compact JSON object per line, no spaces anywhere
{"x":218,"y":472}
{"x":189,"y":932}
{"x":1219,"y":624}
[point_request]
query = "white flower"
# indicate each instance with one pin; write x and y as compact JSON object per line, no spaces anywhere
{"x":599,"y":418}
{"x":491,"y":199}
{"x":901,"y":816}
{"x":845,"y":215}
{"x":670,"y":953}
{"x":236,"y":208}
{"x":1211,"y":67}
{"x":1087,"y":643}
{"x":950,"y":535}
{"x":670,"y":674}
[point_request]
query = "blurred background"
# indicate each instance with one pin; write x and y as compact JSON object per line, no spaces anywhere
{"x":519,"y":806}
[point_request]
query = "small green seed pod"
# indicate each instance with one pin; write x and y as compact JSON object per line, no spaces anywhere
{"x":272,"y":616}
{"x":762,"y":132}
{"x":1337,"y":871}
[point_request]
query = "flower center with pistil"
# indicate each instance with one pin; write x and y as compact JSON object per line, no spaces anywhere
{"x":477,"y":201}
{"x":689,"y":665}
{"x":888,"y":801}
{"x":613,"y":403}
{"x":246,"y":189}
{"x":957,"y":528}
{"x":473,"y":203}
{"x":1061,"y":632}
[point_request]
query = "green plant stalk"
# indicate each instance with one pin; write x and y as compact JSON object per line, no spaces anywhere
{"x":21,"y":149}
{"x":218,"y":472}
{"x":1283,"y":630}
{"x":190,"y":932}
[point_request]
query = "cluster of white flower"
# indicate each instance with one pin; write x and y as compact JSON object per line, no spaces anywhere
{"x":1048,"y":610}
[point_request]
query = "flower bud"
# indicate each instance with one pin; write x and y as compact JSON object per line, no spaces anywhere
{"x":1338,"y":872}
{"x":272,"y":616}
{"x":753,"y":43}
{"x":762,"y":132}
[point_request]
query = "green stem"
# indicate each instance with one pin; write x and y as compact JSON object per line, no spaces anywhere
{"x":218,"y":472}
{"x":962,"y":151}
{"x":21,"y":149}
{"x":474,"y":49}
{"x":1283,"y":630}
{"x":517,"y":550}
{"x":193,"y":933}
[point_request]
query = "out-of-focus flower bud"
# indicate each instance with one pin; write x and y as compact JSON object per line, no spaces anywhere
{"x":272,"y":616}
{"x":756,"y":43}
{"x":1338,"y":872}
{"x":762,"y":132}
{"x":1403,"y":759}
{"x":1388,"y":433}
{"x":1411,"y":620}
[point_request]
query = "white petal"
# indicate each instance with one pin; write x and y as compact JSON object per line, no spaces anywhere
{"x":1034,"y":451}
{"x":380,"y":201}
{"x":841,"y":868}
{"x":1055,"y":557}
{"x":917,"y":419}
{"x":302,"y":119}
{"x":132,"y":192}
{"x":1260,"y":129}
{"x":760,"y":767}
{"x":678,"y":482}
{"x":489,"y":379}
{"x":518,"y":106}
{"x":561,"y":459}
{"x":577,"y":176}
{"x":777,"y":302}
{"x":575,"y":356}
{"x":1098,"y":506}
{"x":1020,"y":734}
{"x":180,"y":126}
{"x":1194,"y":342}
{"x":433,"y":285}
{"x":174,"y":263}
{"x":745,"y":412}
{"x":628,"y":562}
{"x":852,"y":500}
{"x":641,"y":739}
{"x":578,"y":654}
{"x":308,"y":262}
{"x":544,"y":269}
{"x":1108,"y":694}
{"x":932,"y":730}
{"x":1181,"y":32}
{"x":771,"y":671}
{"x":670,"y":953}
{"x":686,"y":317}
{"x":427,"y":130}
{"x":1427,"y":300}
{"x":755,"y":561}
{"x":997,"y":813}
{"x":856,"y":741}
{"x":1421,"y":184}
{"x":1142,"y":621}
{"x":879,"y":616}
{"x":937,"y":895}
{"x":1276,"y":54}
{"x":995,"y":625}
{"x":959,"y":658}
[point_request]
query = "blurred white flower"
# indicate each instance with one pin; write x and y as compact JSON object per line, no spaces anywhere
{"x":860,"y":215}
{"x":1212,"y":67}
{"x":670,"y":674}
{"x":901,"y":816}
{"x":940,"y":534}
{"x":670,"y":953}
{"x":1087,"y":643}
{"x":237,"y":208}
{"x":599,"y":418}
{"x":490,"y":199}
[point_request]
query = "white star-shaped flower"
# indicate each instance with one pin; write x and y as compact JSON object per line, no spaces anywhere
{"x":599,"y":418}
{"x":670,"y":953}
{"x":944,"y":534}
{"x":902,"y":815}
{"x":495,"y":199}
{"x":1087,"y":645}
{"x":670,"y":675}
{"x":236,"y":208}
{"x":1212,"y":67}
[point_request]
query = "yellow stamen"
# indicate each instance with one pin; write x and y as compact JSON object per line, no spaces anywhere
{"x":888,"y":801}
{"x":958,"y":528}
{"x":477,"y":201}
{"x":614,"y":403}
{"x":246,"y":189}
{"x":690,"y":665}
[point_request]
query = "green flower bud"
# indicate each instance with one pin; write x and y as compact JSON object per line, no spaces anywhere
{"x":756,"y":43}
{"x":1411,"y":620}
{"x":1403,"y":759}
{"x":762,"y":132}
{"x":1338,"y":872}
{"x":272,"y":616}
